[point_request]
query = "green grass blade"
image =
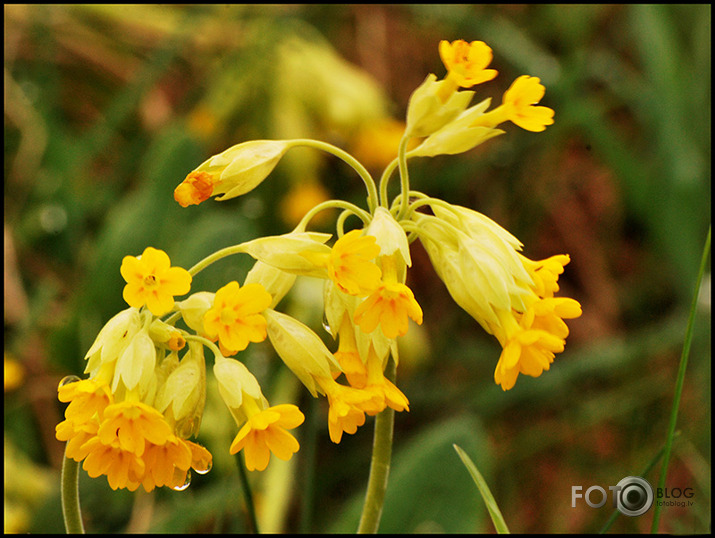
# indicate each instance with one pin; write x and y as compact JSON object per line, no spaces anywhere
{"x":680,"y":380}
{"x":494,"y":512}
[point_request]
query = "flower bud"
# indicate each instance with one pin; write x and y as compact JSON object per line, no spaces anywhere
{"x":426,"y":113}
{"x":458,"y":135}
{"x":195,"y":307}
{"x":233,"y":380}
{"x":389,"y":236}
{"x":234,"y":172}
{"x":300,"y":349}
{"x":294,"y":253}
{"x":184,"y":390}
{"x":276,"y":282}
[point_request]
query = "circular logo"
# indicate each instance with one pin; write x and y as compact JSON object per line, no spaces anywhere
{"x":634,"y":496}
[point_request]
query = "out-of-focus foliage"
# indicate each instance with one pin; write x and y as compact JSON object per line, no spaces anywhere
{"x":107,"y":108}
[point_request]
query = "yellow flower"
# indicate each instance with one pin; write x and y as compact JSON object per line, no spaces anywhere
{"x":265,"y":433}
{"x":86,"y":398}
{"x":530,"y":343}
{"x":161,"y":463}
{"x":389,"y":306}
{"x":467,"y":63}
{"x":152,"y":281}
{"x":130,"y":441}
{"x":235,"y":318}
{"x":511,"y":296}
{"x":347,"y":407}
{"x":350,"y":263}
{"x":385,"y":393}
{"x":520,"y":100}
{"x":123,"y":469}
{"x":131,"y":425}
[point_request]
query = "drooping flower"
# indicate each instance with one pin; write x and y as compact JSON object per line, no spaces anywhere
{"x":152,"y":281}
{"x":265,"y":432}
{"x":235,"y":318}
{"x":347,"y":407}
{"x":531,"y":340}
{"x":129,"y":441}
{"x":510,"y":295}
{"x":389,"y":306}
{"x":350,"y":263}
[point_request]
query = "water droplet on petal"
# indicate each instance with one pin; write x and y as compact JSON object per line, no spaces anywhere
{"x":206,"y":470}
{"x":67,"y":380}
{"x":186,"y":484}
{"x":326,"y":325}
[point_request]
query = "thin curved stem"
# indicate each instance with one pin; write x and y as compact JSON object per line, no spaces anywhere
{"x":334,"y":204}
{"x":69,"y":486}
{"x":386,"y":174}
{"x":404,"y":177}
{"x":216,"y":256}
{"x":379,"y":465}
{"x":372,"y":198}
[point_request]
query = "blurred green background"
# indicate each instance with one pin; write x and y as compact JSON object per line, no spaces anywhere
{"x":107,"y":108}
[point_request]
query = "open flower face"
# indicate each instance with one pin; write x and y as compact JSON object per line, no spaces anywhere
{"x":466,"y":62}
{"x":235,"y":319}
{"x":265,"y":433}
{"x":151,"y":281}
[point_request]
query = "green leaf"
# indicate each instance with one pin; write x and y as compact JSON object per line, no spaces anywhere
{"x":494,"y":512}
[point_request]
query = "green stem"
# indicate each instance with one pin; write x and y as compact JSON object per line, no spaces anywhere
{"x":216,"y":256}
{"x":680,"y":381}
{"x":384,"y":180}
{"x":372,"y":198}
{"x":379,"y":465}
{"x":247,"y":495}
{"x":334,"y":204}
{"x":69,"y":485}
{"x":404,"y":177}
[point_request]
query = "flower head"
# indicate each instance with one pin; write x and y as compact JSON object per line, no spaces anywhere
{"x":235,"y":318}
{"x":129,"y":441}
{"x":530,"y":341}
{"x":467,"y":63}
{"x":520,"y":101}
{"x":265,"y":432}
{"x":152,"y":281}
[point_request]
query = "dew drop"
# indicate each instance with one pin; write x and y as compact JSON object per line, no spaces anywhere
{"x":326,"y":325}
{"x":186,"y":484}
{"x":67,"y":380}
{"x":206,"y":470}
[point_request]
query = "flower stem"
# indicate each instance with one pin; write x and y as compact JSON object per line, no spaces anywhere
{"x":379,"y":465}
{"x":247,"y":495}
{"x":372,"y":198}
{"x":69,"y":485}
{"x":404,"y":177}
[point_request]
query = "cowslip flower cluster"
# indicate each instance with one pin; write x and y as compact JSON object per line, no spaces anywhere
{"x":131,"y":419}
